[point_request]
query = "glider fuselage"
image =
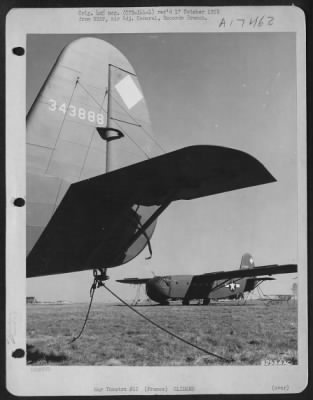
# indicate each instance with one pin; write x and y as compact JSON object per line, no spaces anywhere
{"x":182,"y":287}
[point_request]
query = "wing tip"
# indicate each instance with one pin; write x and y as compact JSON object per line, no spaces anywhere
{"x":270,"y":176}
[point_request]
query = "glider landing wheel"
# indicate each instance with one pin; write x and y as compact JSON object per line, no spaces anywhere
{"x":185,"y":302}
{"x":206,"y":302}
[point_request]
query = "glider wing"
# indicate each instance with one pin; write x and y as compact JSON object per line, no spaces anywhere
{"x":94,"y":223}
{"x":248,"y":272}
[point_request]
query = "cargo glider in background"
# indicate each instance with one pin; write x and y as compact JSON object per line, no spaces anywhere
{"x":97,"y":179}
{"x":214,"y":285}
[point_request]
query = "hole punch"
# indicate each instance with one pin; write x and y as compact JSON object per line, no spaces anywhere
{"x":18,"y":51}
{"x":18,"y":353}
{"x":19,"y":202}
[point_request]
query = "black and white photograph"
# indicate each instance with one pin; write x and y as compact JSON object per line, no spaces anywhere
{"x":164,"y":219}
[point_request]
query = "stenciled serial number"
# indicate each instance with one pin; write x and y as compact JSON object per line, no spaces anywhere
{"x":275,"y":362}
{"x":77,"y":112}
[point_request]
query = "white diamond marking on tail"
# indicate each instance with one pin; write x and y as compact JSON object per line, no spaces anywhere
{"x":128,"y":91}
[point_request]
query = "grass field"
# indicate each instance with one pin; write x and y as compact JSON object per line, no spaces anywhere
{"x":114,"y":335}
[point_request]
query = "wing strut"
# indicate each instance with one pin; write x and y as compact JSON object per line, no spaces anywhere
{"x":145,"y":234}
{"x":142,"y":228}
{"x":148,"y":242}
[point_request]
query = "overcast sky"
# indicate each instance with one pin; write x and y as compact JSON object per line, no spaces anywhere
{"x":230,"y":89}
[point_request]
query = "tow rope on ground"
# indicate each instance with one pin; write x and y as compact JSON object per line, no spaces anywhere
{"x":92,"y":292}
{"x":97,"y":284}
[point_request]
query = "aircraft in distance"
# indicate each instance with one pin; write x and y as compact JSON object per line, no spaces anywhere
{"x":276,"y":298}
{"x":213,"y":285}
{"x":97,"y":180}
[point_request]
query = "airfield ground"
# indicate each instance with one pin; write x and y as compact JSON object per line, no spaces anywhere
{"x":250,"y":334}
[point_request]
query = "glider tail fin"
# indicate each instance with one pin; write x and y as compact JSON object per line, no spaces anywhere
{"x":247,"y":261}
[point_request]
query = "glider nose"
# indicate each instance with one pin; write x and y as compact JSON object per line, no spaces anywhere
{"x":158,"y":289}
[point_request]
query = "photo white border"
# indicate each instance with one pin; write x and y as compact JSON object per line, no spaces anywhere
{"x":66,"y":380}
